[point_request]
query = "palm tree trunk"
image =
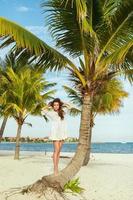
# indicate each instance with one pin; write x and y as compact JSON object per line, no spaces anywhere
{"x":75,"y":164}
{"x":17,"y":148}
{"x":87,"y":157}
{"x":3,"y":127}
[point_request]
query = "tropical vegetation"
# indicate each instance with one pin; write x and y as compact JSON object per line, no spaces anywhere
{"x":107,"y":100}
{"x":97,"y":33}
{"x":25,"y":92}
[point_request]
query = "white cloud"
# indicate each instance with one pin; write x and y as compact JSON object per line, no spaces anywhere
{"x":23,"y":9}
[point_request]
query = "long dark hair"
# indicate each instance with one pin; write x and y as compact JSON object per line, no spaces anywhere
{"x":60,"y":111}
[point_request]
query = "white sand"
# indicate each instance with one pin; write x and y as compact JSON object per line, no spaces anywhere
{"x":107,"y":176}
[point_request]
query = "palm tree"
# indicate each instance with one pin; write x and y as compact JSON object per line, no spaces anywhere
{"x":94,"y":31}
{"x":12,"y":61}
{"x":107,"y":100}
{"x":25,"y":92}
{"x":9,"y":61}
{"x":3,"y":125}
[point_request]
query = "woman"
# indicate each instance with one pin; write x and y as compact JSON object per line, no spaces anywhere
{"x":58,"y":134}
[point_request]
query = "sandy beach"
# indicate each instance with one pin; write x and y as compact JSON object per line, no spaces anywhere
{"x":107,"y":176}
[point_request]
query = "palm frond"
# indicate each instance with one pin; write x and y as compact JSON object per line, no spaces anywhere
{"x":61,"y":21}
{"x":74,"y":112}
{"x":29,"y":124}
{"x":74,"y":95}
{"x":65,"y":19}
{"x":109,"y":98}
{"x":12,"y":33}
{"x":23,"y":91}
{"x":119,"y":39}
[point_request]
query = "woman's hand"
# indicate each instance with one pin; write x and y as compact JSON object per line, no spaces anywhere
{"x":49,"y":104}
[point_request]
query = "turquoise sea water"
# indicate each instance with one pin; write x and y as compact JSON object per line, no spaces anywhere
{"x":107,"y":147}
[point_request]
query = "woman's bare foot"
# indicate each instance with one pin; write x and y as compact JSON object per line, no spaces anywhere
{"x":55,"y":173}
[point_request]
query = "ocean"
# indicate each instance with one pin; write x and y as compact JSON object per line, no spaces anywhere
{"x":107,"y":147}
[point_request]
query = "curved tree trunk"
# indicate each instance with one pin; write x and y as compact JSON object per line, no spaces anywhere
{"x":87,"y":157}
{"x":75,"y":164}
{"x":17,"y":148}
{"x":3,"y":127}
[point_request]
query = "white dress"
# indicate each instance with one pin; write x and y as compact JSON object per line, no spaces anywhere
{"x":58,"y":126}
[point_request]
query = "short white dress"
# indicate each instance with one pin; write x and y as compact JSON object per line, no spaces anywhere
{"x":58,"y":126}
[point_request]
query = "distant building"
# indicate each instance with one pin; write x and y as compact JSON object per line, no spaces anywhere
{"x":35,"y":140}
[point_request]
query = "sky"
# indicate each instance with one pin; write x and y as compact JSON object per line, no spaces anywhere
{"x":108,"y":128}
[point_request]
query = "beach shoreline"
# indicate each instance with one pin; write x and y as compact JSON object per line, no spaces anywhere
{"x":107,"y":176}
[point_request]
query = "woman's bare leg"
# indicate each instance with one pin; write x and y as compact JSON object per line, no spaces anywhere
{"x":60,"y":143}
{"x":55,"y":155}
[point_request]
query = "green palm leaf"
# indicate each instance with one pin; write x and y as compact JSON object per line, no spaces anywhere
{"x":47,"y":56}
{"x":75,"y":96}
{"x":119,"y":39}
{"x":24,"y":91}
{"x":108,"y":98}
{"x":12,"y":32}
